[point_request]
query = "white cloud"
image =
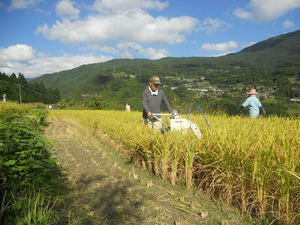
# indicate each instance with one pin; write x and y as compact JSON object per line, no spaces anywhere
{"x":22,"y":4}
{"x":220,"y":47}
{"x":268,"y":10}
{"x":249,"y":44}
{"x":153,"y":53}
{"x":128,"y":48}
{"x":16,"y":53}
{"x":211,"y":25}
{"x":66,"y":9}
{"x":288,"y":24}
{"x":133,"y":25}
{"x":108,"y":6}
{"x":222,"y":54}
{"x":243,"y":14}
{"x":33,"y":64}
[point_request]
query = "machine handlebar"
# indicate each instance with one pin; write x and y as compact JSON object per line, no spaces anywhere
{"x":162,"y":114}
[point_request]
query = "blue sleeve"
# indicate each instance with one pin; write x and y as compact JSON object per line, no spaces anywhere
{"x":246,"y":103}
{"x":259,"y":103}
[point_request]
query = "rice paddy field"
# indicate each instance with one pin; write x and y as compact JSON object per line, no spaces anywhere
{"x":253,"y":164}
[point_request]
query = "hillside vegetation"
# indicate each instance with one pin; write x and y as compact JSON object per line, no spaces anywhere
{"x":29,"y":175}
{"x":276,"y":52}
{"x":271,"y":66}
{"x":18,"y":89}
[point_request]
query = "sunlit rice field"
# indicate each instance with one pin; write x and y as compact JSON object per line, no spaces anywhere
{"x":253,"y":164}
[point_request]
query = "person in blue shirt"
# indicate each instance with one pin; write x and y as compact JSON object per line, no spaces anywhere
{"x":253,"y":104}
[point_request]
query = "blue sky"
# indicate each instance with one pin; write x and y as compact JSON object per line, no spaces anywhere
{"x":39,"y":36}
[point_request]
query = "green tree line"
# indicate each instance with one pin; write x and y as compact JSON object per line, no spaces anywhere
{"x":17,"y":88}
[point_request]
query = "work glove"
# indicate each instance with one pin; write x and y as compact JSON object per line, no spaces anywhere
{"x":174,"y":113}
{"x":240,"y":109}
{"x":262,"y":110}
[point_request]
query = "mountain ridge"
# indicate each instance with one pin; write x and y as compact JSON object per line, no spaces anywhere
{"x":261,"y":59}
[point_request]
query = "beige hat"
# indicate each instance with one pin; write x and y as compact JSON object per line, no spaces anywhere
{"x":252,"y":92}
{"x":155,"y":80}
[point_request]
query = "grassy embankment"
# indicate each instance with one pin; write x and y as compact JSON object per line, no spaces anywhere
{"x":253,"y":164}
{"x":29,"y":177}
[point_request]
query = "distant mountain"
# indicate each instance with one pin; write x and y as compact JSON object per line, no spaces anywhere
{"x":279,"y":51}
{"x":282,"y":51}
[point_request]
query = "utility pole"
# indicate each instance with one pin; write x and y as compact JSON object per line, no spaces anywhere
{"x":20,"y":93}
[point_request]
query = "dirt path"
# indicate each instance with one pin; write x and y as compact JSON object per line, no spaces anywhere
{"x":107,"y":189}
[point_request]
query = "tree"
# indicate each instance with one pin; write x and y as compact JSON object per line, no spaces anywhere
{"x":36,"y":92}
{"x":13,"y":77}
{"x":21,"y":80}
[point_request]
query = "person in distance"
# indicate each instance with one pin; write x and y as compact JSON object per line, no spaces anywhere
{"x":253,"y":104}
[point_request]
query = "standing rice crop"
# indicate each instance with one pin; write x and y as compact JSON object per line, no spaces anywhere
{"x":251,"y":163}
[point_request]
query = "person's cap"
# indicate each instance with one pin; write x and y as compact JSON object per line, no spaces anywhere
{"x":252,"y":92}
{"x":155,"y":80}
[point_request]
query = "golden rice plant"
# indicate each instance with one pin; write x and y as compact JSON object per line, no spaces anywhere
{"x":7,"y":108}
{"x":253,"y":163}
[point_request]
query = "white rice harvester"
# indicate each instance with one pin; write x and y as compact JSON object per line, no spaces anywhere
{"x":182,"y":124}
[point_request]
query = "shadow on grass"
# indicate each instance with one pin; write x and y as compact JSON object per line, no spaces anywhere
{"x":104,"y":200}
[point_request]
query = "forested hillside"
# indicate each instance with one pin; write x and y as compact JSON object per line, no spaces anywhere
{"x":276,"y":52}
{"x":17,"y":88}
{"x":219,"y":83}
